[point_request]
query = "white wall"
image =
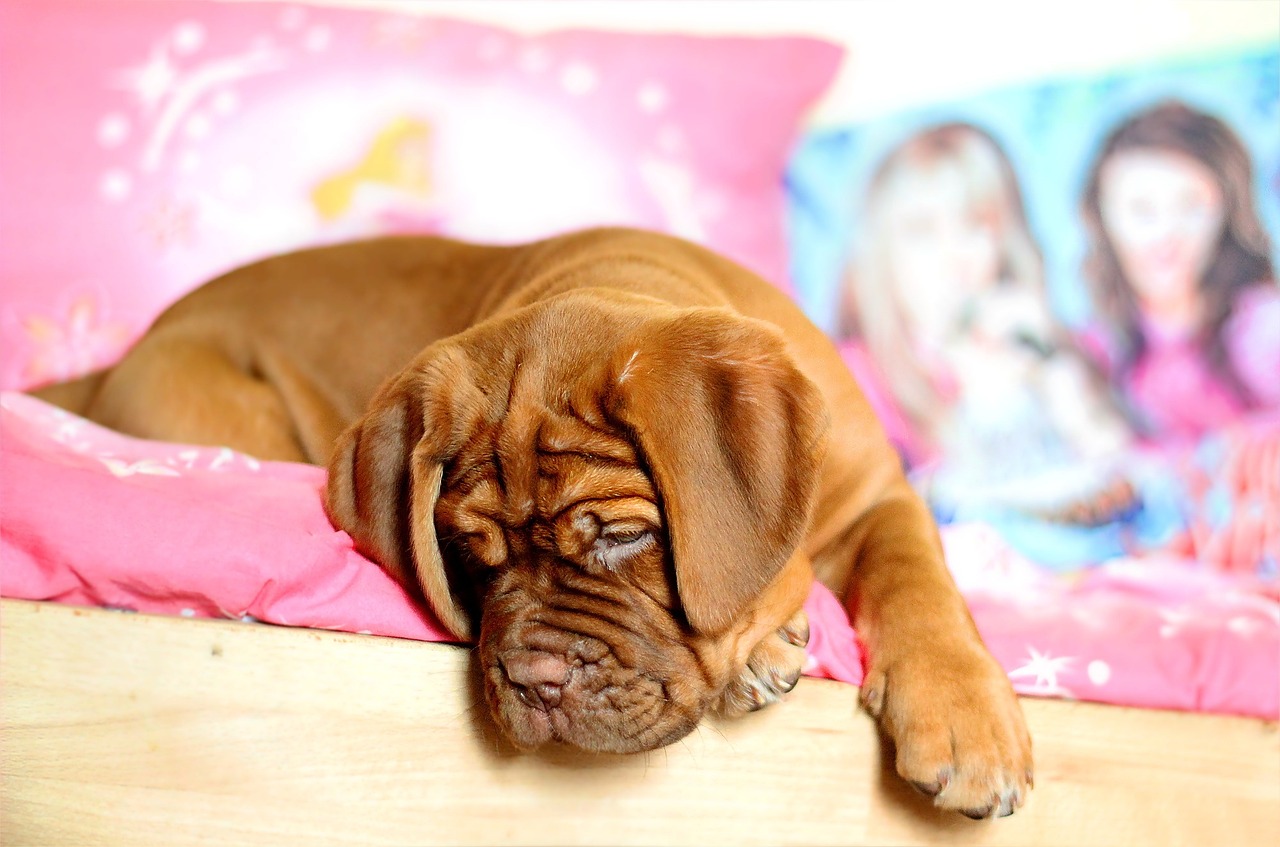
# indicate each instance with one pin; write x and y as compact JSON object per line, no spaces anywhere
{"x":912,"y":52}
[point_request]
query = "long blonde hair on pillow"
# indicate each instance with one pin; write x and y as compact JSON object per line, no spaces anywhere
{"x":871,"y":310}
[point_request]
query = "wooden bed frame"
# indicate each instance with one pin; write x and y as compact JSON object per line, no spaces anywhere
{"x":137,"y":730}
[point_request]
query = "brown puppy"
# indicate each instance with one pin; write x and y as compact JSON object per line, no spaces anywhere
{"x":614,"y":458}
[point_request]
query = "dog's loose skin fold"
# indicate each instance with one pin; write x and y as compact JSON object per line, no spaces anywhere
{"x":614,"y":458}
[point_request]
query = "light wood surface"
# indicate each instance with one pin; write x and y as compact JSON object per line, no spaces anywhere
{"x":135,"y":730}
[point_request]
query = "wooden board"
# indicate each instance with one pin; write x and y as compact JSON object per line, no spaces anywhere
{"x":136,"y":730}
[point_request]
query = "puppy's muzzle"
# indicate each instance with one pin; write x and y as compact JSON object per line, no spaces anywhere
{"x":548,"y":685}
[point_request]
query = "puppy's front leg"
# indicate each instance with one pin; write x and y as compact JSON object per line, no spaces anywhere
{"x":938,"y":694}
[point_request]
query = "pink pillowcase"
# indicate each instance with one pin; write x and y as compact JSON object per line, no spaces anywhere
{"x":150,"y":146}
{"x":95,"y":518}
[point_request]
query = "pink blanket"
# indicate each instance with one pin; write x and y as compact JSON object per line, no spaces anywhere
{"x":90,"y":517}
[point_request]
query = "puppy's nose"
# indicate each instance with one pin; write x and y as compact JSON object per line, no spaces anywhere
{"x":536,"y":676}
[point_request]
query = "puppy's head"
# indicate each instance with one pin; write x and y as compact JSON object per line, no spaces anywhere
{"x":607,"y":493}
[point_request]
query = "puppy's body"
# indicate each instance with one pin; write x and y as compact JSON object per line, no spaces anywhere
{"x":307,"y":338}
{"x":617,"y":453}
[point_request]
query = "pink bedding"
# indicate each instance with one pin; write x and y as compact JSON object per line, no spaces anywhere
{"x":94,"y":518}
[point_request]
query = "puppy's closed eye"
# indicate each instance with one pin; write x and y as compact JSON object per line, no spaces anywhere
{"x":615,"y":544}
{"x":624,"y":537}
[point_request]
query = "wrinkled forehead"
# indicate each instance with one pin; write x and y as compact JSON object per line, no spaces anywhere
{"x":544,"y":437}
{"x":540,"y":458}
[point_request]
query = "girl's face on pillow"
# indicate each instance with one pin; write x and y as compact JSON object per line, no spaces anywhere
{"x":940,"y":246}
{"x":1164,"y":213}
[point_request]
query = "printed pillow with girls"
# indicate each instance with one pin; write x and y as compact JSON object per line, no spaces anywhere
{"x":1061,"y":301}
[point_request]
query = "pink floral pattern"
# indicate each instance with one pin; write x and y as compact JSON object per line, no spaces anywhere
{"x":78,"y":339}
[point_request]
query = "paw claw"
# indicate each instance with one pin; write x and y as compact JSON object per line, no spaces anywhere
{"x":796,"y":630}
{"x":871,"y":701}
{"x":928,"y":789}
{"x":788,"y":682}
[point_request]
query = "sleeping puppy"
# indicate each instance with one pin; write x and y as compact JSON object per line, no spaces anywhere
{"x":614,"y":459}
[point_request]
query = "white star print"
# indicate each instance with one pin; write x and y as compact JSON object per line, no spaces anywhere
{"x":153,"y":81}
{"x":150,"y":467}
{"x":1044,"y":668}
{"x":1174,"y":621}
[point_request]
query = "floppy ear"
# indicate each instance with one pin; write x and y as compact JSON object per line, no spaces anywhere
{"x":734,"y":435}
{"x":384,"y":479}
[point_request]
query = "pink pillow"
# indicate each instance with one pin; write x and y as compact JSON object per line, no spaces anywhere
{"x":150,"y":146}
{"x":95,"y":518}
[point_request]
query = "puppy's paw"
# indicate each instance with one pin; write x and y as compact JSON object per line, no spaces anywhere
{"x":773,"y":668}
{"x":958,"y":729}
